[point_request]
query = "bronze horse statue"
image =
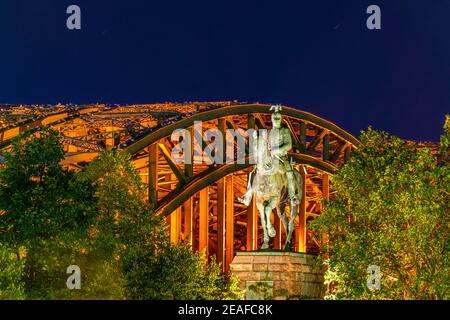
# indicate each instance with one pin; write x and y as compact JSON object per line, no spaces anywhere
{"x":271,"y":190}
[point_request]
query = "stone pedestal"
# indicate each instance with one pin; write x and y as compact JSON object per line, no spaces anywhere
{"x":278,"y":275}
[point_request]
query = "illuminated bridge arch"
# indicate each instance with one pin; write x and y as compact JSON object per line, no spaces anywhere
{"x":199,"y":201}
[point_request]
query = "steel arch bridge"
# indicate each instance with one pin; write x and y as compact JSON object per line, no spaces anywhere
{"x":199,"y":200}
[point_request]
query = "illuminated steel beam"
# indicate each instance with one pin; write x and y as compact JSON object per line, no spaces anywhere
{"x":189,"y":166}
{"x":221,"y":211}
{"x":315,"y":142}
{"x":221,"y":126}
{"x":303,"y":127}
{"x":175,"y":226}
{"x":260,"y":122}
{"x":229,"y":220}
{"x":153,"y":175}
{"x":251,"y":121}
{"x":188,"y":220}
{"x":80,"y":143}
{"x":347,"y":152}
{"x":337,"y":153}
{"x":203,"y":226}
{"x":326,"y":147}
{"x":297,"y":143}
{"x":79,"y":157}
{"x":252,"y":226}
{"x":325,"y":195}
{"x":301,"y":237}
{"x":178,"y":173}
{"x":252,"y":211}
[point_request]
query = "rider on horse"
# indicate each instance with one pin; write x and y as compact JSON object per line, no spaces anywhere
{"x":280,"y":143}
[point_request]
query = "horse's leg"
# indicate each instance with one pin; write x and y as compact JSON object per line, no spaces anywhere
{"x":282,"y":216}
{"x":294,"y":208}
{"x":247,"y":197}
{"x":268,"y":211}
{"x":261,"y":209}
{"x":281,"y":210}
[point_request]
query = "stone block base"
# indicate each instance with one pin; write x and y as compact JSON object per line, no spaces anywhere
{"x":278,"y":275}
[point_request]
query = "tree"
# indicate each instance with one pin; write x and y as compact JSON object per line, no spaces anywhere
{"x":391,"y":210}
{"x":125,"y":219}
{"x":45,"y":210}
{"x":125,"y":222}
{"x":97,"y":219}
{"x":152,"y":268}
{"x":39,"y":198}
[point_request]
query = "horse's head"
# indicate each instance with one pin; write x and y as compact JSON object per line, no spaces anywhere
{"x":261,"y":151}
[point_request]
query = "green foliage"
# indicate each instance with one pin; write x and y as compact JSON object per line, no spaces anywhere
{"x":11,"y":272}
{"x":101,"y":278}
{"x":96,"y":219}
{"x":47,"y":265}
{"x":175,"y":272}
{"x":46,"y":210}
{"x":445,"y":143}
{"x":40,"y":199}
{"x":152,"y":268}
{"x":125,"y":220}
{"x":391,"y":210}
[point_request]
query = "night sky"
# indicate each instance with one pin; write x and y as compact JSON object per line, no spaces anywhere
{"x":315,"y":55}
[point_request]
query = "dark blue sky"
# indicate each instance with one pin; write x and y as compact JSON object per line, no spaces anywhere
{"x":315,"y":55}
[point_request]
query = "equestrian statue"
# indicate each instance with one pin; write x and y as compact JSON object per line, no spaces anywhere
{"x":274,"y":182}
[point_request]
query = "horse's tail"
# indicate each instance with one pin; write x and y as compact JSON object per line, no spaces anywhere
{"x":299,"y":184}
{"x":284,"y":199}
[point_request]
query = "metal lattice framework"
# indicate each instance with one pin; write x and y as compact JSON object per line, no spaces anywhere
{"x":199,"y":200}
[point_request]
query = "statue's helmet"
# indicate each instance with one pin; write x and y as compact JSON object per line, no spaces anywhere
{"x":276,"y":115}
